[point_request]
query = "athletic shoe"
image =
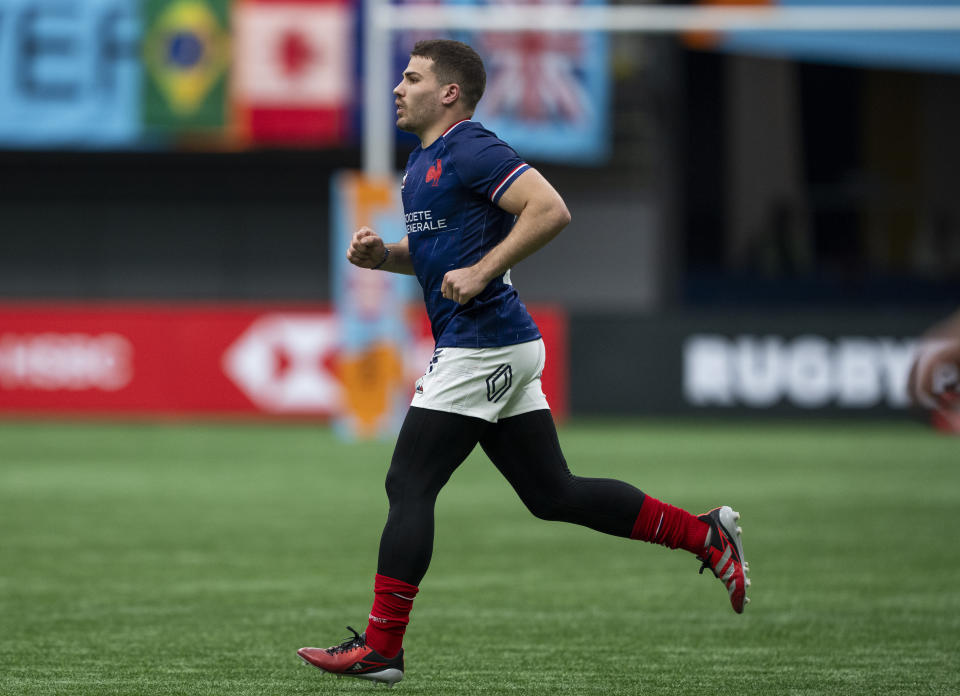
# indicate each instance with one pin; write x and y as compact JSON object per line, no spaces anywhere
{"x":354,"y":658}
{"x":723,"y":554}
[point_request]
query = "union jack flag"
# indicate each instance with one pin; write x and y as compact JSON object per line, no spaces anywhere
{"x":547,"y":92}
{"x":534,"y":76}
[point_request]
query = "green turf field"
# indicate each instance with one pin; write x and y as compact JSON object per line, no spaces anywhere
{"x":196,"y":559}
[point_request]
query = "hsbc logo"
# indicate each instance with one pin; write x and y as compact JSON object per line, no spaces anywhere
{"x":280,"y":363}
{"x":53,"y":361}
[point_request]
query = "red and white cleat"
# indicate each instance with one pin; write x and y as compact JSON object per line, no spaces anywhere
{"x":723,"y":554}
{"x":354,"y":658}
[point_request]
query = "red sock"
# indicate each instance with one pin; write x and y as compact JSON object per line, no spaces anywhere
{"x":660,"y":523}
{"x":392,"y":602}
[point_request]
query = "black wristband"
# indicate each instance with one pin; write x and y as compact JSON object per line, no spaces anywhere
{"x":386,"y":255}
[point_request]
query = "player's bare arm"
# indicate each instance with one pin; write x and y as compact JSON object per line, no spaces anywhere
{"x":368,"y":250}
{"x":541,"y":215}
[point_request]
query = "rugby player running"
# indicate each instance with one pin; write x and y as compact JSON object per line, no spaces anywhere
{"x":474,"y":209}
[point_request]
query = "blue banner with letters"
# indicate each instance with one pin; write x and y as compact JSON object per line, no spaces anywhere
{"x":918,"y":50}
{"x":70,"y":73}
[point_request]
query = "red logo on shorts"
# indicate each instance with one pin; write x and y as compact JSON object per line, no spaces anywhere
{"x":433,"y":174}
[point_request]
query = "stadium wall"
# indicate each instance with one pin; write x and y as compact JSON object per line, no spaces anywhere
{"x":256,"y":226}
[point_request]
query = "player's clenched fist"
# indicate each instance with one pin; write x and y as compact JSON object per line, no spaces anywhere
{"x":463,"y":284}
{"x":366,"y":249}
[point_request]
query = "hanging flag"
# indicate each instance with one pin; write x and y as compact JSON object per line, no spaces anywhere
{"x":69,"y":74}
{"x":186,"y":52}
{"x":547,"y":93}
{"x":293,"y":70}
{"x":937,"y":50}
{"x":372,"y":307}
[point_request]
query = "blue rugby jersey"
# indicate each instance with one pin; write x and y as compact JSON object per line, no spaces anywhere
{"x":450,"y":192}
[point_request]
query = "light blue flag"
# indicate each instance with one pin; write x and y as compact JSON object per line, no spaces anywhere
{"x":70,"y":73}
{"x":920,"y":50}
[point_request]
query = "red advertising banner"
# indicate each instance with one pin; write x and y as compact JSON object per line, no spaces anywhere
{"x":215,"y":360}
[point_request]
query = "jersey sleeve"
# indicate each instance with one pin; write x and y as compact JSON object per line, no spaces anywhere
{"x":487,"y":165}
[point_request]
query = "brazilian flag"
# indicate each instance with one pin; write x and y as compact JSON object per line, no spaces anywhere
{"x":186,"y":52}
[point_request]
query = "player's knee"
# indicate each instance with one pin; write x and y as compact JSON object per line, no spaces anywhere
{"x":544,"y":511}
{"x":403,"y":484}
{"x":557,"y":504}
{"x":393,"y":484}
{"x":547,"y":508}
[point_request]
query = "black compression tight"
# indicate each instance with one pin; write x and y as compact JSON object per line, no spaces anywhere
{"x":524,"y":448}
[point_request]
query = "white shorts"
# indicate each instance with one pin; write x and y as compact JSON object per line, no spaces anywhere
{"x":487,"y":383}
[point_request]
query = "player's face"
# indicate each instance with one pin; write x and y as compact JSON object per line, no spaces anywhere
{"x":418,"y":96}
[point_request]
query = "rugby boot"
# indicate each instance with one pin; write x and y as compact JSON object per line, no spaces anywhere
{"x":723,"y":554}
{"x":354,"y":658}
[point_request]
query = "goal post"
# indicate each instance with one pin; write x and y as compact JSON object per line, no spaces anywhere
{"x":384,"y":18}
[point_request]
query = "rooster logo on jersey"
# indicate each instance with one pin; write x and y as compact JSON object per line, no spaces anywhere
{"x":433,"y":174}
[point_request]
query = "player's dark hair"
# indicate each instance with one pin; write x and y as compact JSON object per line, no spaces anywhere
{"x":455,"y":62}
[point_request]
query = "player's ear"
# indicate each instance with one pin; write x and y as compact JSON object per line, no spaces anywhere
{"x":450,"y":94}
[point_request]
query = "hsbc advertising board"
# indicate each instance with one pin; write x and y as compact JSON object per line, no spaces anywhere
{"x":219,"y":360}
{"x":742,"y":363}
